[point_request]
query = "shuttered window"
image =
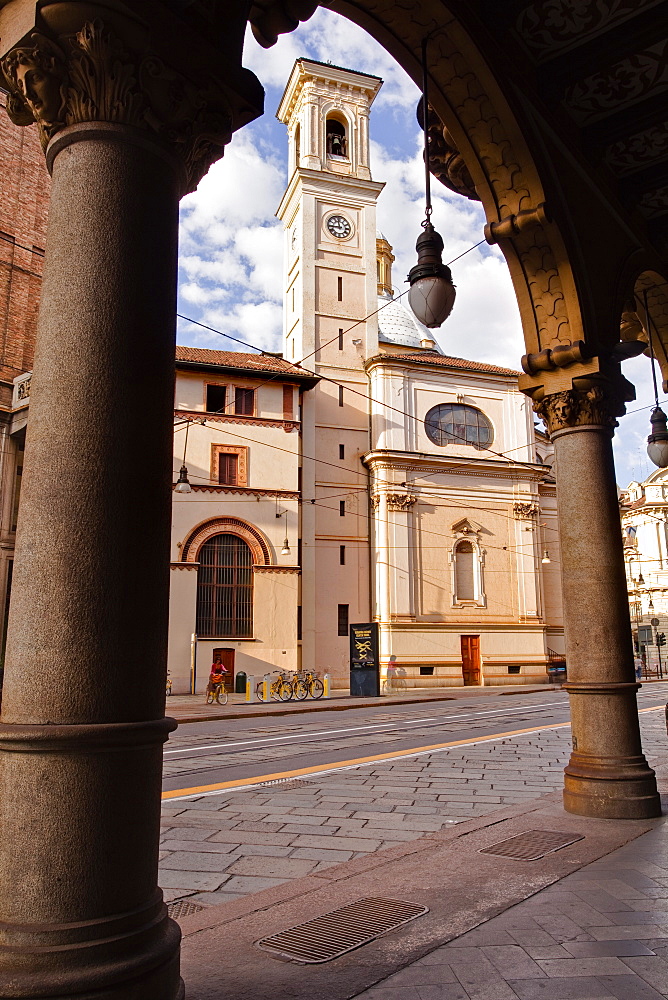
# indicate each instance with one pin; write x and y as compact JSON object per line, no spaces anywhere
{"x":228,"y":469}
{"x":225,"y":588}
{"x":244,"y":402}
{"x":464,"y":575}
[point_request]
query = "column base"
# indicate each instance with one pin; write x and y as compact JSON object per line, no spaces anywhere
{"x":611,"y":788}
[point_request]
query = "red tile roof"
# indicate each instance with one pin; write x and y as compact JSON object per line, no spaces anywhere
{"x":432,"y":358}
{"x":237,"y":359}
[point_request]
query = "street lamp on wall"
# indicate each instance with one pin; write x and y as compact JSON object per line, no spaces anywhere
{"x":182,"y":483}
{"x":432,"y":293}
{"x":285,"y":551}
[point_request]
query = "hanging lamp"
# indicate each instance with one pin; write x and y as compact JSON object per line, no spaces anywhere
{"x":657,"y":442}
{"x":432,"y":293}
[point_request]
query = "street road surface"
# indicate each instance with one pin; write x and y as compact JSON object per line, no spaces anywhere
{"x":202,"y":754}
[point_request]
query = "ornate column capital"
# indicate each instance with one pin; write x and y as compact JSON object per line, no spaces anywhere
{"x":591,"y":404}
{"x":75,"y":70}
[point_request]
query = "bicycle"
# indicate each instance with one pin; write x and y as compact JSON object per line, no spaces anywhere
{"x":394,"y":684}
{"x":280,"y":689}
{"x":218,"y":694}
{"x":308,"y":683}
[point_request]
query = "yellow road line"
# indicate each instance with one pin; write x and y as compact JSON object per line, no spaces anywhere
{"x":375,"y":758}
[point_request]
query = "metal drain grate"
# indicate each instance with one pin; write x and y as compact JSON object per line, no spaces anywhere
{"x":333,"y":934}
{"x":285,"y":783}
{"x":532,"y":845}
{"x":182,"y":908}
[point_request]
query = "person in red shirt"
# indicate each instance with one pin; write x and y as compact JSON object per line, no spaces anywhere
{"x":216,"y":677}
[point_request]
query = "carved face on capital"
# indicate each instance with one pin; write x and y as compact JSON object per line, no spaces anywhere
{"x":38,"y":77}
{"x":562,"y":409}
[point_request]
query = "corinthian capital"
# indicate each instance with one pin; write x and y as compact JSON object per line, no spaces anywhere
{"x":592,"y":405}
{"x":100,"y":73}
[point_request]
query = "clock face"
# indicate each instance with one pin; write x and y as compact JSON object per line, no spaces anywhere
{"x":339,"y":227}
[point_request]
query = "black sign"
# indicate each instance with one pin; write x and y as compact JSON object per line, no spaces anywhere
{"x":364,"y":662}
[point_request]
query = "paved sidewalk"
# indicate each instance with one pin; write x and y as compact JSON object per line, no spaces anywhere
{"x":599,"y":933}
{"x":187,"y":708}
{"x":219,"y":847}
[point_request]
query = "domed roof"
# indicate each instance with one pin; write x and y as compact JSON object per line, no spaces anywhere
{"x":398,"y":325}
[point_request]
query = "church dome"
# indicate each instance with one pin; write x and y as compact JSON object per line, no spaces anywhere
{"x":398,"y":325}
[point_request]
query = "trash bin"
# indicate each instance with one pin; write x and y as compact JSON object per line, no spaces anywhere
{"x":240,"y":682}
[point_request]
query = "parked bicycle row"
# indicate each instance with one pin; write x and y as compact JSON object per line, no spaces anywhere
{"x":286,"y":685}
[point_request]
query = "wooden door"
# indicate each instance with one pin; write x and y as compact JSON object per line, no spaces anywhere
{"x":226,"y":657}
{"x":470,"y":659}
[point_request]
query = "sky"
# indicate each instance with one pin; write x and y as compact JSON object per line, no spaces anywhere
{"x":231,"y":244}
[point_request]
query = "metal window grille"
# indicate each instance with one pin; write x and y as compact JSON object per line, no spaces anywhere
{"x":343,"y":619}
{"x":225,"y":588}
{"x":228,"y":469}
{"x":244,"y":402}
{"x":215,"y":398}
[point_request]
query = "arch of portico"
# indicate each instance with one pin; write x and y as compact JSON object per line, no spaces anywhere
{"x":134,"y":103}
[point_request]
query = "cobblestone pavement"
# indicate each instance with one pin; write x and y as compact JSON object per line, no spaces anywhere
{"x":219,"y":847}
{"x":600,"y":933}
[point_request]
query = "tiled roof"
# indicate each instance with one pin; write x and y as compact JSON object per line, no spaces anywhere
{"x":433,"y":358}
{"x":237,"y":359}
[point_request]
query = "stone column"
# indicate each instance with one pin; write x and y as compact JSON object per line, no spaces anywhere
{"x":82,"y":722}
{"x":607,"y":775}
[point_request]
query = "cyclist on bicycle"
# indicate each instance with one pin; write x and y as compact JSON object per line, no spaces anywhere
{"x":216,"y":677}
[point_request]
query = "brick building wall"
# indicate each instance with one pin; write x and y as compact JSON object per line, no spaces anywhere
{"x":24,"y":199}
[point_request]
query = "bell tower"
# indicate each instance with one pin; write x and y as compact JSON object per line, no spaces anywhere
{"x":330,"y":326}
{"x":329,"y":214}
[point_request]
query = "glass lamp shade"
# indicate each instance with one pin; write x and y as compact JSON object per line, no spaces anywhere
{"x":285,"y":551}
{"x":431,"y":300}
{"x":546,"y":557}
{"x":432,"y":294}
{"x":657,"y":442}
{"x":182,"y":484}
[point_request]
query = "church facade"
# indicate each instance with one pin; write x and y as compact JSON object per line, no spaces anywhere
{"x":381,"y":491}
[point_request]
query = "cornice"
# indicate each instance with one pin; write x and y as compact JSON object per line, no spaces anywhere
{"x":233,"y":418}
{"x":456,"y":465}
{"x":276,"y":569}
{"x":245,"y":491}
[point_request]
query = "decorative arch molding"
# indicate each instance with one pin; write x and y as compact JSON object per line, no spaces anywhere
{"x":256,"y":541}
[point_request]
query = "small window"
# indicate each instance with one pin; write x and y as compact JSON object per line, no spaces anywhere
{"x":342,"y":508}
{"x":342,"y":451}
{"x":450,"y":423}
{"x":340,"y":340}
{"x":343,"y":619}
{"x":228,"y":469}
{"x":287,"y":402}
{"x":514,"y":668}
{"x":340,"y":395}
{"x":337,"y":144}
{"x":464,"y":574}
{"x":215,"y":398}
{"x":342,"y":555}
{"x":244,"y":402}
{"x":340,"y":289}
{"x":426,"y":671}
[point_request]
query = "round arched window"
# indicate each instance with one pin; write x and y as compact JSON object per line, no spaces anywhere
{"x":454,"y":423}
